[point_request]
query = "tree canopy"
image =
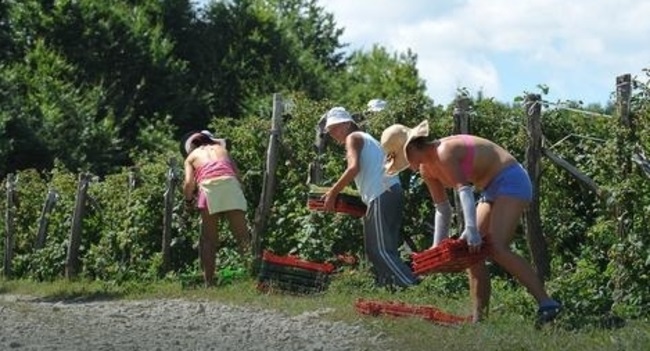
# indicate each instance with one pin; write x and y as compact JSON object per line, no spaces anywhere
{"x":83,"y":78}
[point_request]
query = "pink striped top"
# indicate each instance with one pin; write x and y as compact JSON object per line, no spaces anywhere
{"x":213,"y":169}
{"x":210,"y":170}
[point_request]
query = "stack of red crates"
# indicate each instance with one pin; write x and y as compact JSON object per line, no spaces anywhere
{"x":292,"y":274}
{"x":451,"y":255}
{"x":400,"y":309}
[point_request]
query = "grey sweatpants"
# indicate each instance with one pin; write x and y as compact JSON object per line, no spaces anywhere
{"x":381,"y":227}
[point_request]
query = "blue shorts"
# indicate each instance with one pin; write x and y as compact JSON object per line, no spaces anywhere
{"x":512,"y":181}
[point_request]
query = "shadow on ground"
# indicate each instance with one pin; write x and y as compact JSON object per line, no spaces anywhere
{"x":79,"y":297}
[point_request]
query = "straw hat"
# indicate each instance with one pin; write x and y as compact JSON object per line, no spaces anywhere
{"x":394,"y":140}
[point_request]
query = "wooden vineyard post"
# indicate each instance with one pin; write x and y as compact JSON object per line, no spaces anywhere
{"x":536,"y":242}
{"x":316,"y":167}
{"x":50,"y":202}
{"x":461,"y":126}
{"x":268,"y":186}
{"x":72,"y":260}
{"x":573,"y":171}
{"x":9,"y":224}
{"x":623,"y":96}
{"x":172,"y":183}
{"x":461,"y":115}
{"x":624,"y":206}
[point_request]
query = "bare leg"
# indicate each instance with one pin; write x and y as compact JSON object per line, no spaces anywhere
{"x":506,"y":212}
{"x":208,"y":245}
{"x":479,"y":278}
{"x":239,"y":229}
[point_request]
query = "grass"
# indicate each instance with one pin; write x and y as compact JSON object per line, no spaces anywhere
{"x":504,"y":330}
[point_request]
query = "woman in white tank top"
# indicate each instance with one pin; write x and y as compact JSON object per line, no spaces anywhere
{"x":381,"y":193}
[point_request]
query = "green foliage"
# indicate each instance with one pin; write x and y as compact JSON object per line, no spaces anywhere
{"x":353,"y":283}
{"x":106,"y":87}
{"x":595,"y":271}
{"x":48,"y":262}
{"x":444,"y":285}
{"x":380,"y":74}
{"x":6,"y":41}
{"x":85,"y":77}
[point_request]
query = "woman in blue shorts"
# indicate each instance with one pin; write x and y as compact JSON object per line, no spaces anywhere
{"x":465,"y":162}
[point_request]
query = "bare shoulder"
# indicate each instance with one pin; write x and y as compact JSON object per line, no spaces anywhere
{"x":355,"y":136}
{"x":354,"y":139}
{"x":190,"y":158}
{"x":447,"y":148}
{"x":424,"y":173}
{"x":431,"y":178}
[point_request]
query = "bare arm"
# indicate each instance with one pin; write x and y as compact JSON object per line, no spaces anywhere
{"x":436,"y":189}
{"x":236,"y":169}
{"x":353,"y":146}
{"x":189,"y":184}
{"x":443,"y":208}
{"x":451,"y":159}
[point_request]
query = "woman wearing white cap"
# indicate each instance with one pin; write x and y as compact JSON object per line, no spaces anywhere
{"x":381,"y":193}
{"x":460,"y":161}
{"x":209,"y":168}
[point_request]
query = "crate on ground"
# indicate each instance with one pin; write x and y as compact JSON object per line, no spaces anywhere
{"x":292,"y":274}
{"x":451,"y":255}
{"x":348,"y":201}
{"x":401,"y":309}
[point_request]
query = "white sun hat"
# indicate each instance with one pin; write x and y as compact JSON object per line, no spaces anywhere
{"x":376,"y":105}
{"x":187,"y":139}
{"x":337,"y":115}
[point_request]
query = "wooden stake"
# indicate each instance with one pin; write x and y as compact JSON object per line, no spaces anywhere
{"x":315,"y":167}
{"x":72,"y":260}
{"x":461,"y":126}
{"x":461,"y":115}
{"x":172,"y":182}
{"x":268,"y":187}
{"x":536,"y":242}
{"x":9,"y":225}
{"x":574,"y":172}
{"x":623,"y":97}
{"x":50,"y":202}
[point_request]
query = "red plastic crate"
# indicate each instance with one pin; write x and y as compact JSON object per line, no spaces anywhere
{"x":452,"y":255}
{"x":340,"y":206}
{"x":400,"y":309}
{"x":294,"y":261}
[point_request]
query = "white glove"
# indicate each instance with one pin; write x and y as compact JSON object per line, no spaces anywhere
{"x":442,"y":221}
{"x":470,"y":233}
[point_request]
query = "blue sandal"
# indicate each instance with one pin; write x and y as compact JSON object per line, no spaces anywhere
{"x":547,"y":314}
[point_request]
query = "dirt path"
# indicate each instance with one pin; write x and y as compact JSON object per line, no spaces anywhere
{"x":27,"y":324}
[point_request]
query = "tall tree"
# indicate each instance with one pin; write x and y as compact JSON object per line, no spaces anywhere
{"x":117,"y":44}
{"x":380,"y":74}
{"x":47,"y":116}
{"x":315,"y":40}
{"x":5,"y":32}
{"x":245,"y":50}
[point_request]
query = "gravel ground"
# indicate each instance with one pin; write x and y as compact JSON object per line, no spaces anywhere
{"x":29,"y":324}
